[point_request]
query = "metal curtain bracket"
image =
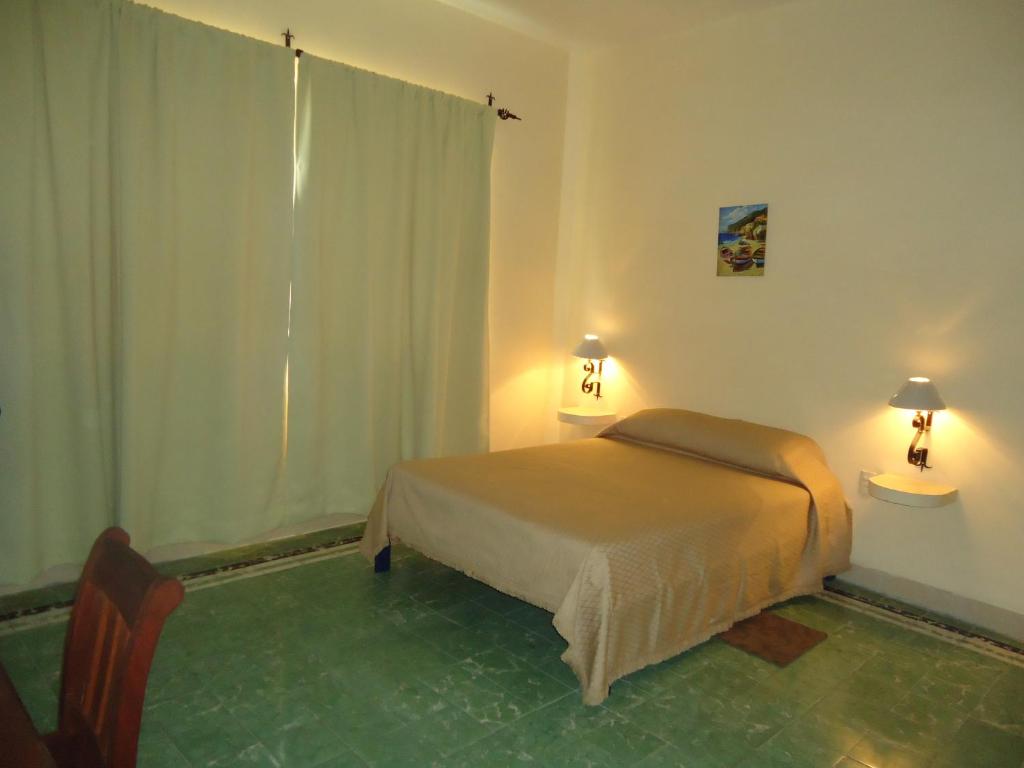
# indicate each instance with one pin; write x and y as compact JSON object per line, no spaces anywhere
{"x":503,"y":112}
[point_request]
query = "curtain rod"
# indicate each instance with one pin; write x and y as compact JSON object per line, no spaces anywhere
{"x":503,"y":112}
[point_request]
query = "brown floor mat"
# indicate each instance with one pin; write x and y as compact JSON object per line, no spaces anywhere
{"x":773,"y":638}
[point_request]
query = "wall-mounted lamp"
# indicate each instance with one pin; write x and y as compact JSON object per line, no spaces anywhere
{"x":591,"y":349}
{"x":920,"y":395}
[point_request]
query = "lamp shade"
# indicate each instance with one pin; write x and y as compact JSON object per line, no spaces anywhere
{"x":918,"y":394}
{"x":590,"y":348}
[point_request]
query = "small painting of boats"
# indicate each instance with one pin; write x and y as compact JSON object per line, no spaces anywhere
{"x":742,"y":239}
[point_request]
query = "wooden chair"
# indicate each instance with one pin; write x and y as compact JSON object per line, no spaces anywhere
{"x":119,"y":610}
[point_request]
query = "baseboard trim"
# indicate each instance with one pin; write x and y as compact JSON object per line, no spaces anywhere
{"x":990,"y":619}
{"x":58,"y":612}
{"x":946,"y":633}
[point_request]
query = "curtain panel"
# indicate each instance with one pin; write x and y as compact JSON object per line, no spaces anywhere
{"x":145,"y":226}
{"x":57,"y":451}
{"x":388,"y":346}
{"x":205,"y":123}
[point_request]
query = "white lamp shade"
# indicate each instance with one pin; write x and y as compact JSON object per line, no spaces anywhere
{"x":590,"y":348}
{"x":918,"y":394}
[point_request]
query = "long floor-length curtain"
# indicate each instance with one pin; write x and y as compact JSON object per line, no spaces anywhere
{"x":388,"y":347}
{"x":56,"y":434}
{"x":192,"y":345}
{"x":205,"y":129}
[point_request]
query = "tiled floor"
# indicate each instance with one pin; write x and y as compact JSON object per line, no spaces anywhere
{"x":327,"y":664}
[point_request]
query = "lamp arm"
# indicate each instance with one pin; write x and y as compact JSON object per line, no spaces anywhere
{"x":588,"y":386}
{"x":919,"y":456}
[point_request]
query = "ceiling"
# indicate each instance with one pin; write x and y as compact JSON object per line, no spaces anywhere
{"x":602,"y":23}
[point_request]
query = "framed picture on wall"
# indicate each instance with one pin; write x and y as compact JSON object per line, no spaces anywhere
{"x":742,"y":240}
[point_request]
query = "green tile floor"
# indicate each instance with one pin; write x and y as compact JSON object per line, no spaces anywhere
{"x":327,"y":664}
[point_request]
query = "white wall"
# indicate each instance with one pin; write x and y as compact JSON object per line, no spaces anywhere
{"x":426,"y":42}
{"x":887,"y":140}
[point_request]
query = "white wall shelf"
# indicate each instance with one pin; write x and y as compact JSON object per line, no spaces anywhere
{"x":910,"y":491}
{"x":581,"y":414}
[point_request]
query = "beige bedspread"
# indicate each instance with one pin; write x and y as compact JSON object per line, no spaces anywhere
{"x":640,"y":545}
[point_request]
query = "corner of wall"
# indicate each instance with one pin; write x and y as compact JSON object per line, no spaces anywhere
{"x":569,"y":310}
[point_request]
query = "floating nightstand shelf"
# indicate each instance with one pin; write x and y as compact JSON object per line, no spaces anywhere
{"x":584,"y":415}
{"x":909,"y":491}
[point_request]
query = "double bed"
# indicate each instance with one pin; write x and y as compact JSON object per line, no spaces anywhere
{"x":644,"y":541}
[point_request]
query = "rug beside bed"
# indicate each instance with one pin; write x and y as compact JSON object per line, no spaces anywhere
{"x":773,"y":638}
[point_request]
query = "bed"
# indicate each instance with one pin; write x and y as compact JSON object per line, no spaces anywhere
{"x":644,"y":541}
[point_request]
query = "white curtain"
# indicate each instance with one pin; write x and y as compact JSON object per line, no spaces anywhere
{"x":205,"y":188}
{"x":149,"y":249}
{"x":56,"y":429}
{"x":388,"y":339}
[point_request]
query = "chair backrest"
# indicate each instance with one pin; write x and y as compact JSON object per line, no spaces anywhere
{"x":119,"y":611}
